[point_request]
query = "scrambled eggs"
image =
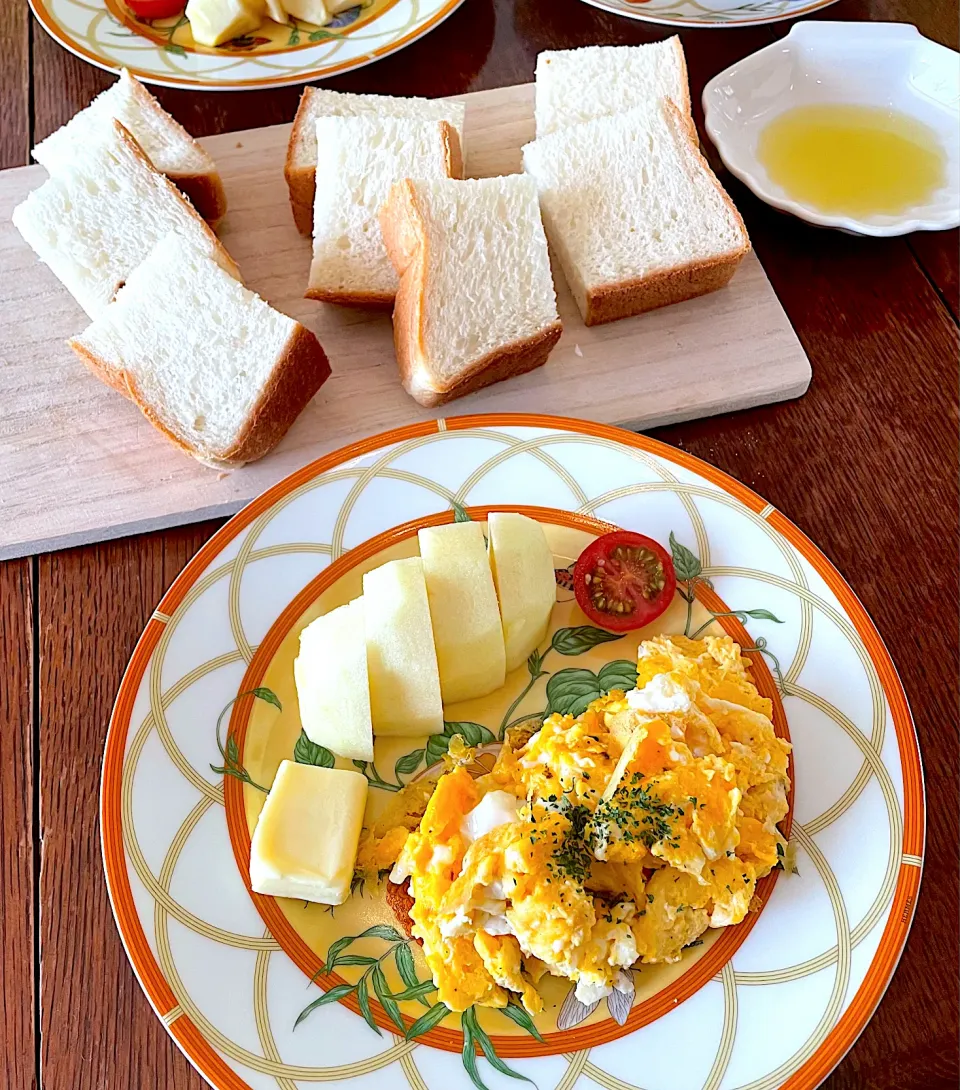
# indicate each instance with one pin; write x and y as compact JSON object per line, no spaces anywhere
{"x":601,"y":841}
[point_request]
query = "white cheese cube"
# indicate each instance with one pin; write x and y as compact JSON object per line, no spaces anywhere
{"x":305,"y":842}
{"x":332,"y":686}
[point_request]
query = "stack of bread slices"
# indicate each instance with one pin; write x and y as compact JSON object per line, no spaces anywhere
{"x":614,"y":181}
{"x":210,"y":364}
{"x":463,"y":263}
{"x":631,"y":209}
{"x":615,"y":137}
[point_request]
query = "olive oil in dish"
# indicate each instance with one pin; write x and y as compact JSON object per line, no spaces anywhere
{"x":853,"y":160}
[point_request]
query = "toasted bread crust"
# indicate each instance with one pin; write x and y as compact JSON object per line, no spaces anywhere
{"x":99,"y":367}
{"x":405,"y":234}
{"x":610,"y":302}
{"x":685,"y":106}
{"x":299,"y":372}
{"x":205,"y":189}
{"x":205,"y":192}
{"x":378,"y":300}
{"x":399,"y":900}
{"x":303,"y":213}
{"x":506,"y":362}
{"x":367,"y":300}
{"x":226,"y":261}
{"x":302,"y":179}
{"x":302,"y":369}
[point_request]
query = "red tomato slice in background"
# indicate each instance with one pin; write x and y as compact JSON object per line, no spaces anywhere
{"x":624,"y":581}
{"x":155,"y":9}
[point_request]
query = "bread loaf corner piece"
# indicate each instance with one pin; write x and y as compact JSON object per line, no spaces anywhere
{"x":317,"y":102}
{"x":210,"y":364}
{"x":167,"y":144}
{"x":95,"y":220}
{"x":577,"y":85}
{"x":363,"y":156}
{"x":661,"y":229}
{"x":476,"y":302}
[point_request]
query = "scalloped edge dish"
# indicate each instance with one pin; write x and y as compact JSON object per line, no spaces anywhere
{"x":887,"y":65}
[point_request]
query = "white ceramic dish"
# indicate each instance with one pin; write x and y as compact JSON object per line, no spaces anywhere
{"x":888,"y":65}
{"x":229,"y":972}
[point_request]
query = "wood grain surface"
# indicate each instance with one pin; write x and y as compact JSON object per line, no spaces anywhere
{"x":731,"y":349}
{"x":865,"y":463}
{"x":18,"y":846}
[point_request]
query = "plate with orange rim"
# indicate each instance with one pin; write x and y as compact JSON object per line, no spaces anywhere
{"x":207,"y":710}
{"x":162,"y":51}
{"x":711,"y":13}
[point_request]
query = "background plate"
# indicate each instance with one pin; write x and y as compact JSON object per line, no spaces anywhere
{"x":817,"y":960}
{"x":711,"y":13}
{"x":107,"y":35}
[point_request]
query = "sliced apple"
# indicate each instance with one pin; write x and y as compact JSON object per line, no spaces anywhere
{"x":310,"y":11}
{"x":277,"y":12}
{"x":332,"y":685}
{"x":214,"y":22}
{"x":522,"y":566}
{"x":401,"y":657}
{"x":463,"y":610}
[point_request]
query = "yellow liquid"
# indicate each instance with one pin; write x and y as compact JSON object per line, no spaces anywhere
{"x":853,"y":160}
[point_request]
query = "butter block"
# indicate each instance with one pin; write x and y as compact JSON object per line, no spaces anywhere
{"x":463,"y":610}
{"x":522,"y":566}
{"x":305,"y":842}
{"x":401,"y":656}
{"x":332,"y":684}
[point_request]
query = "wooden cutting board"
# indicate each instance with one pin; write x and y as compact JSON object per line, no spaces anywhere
{"x":78,"y":463}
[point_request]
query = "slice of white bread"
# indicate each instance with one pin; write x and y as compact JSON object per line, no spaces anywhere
{"x":211,"y":365}
{"x":317,"y":102}
{"x":168,"y":145}
{"x":577,"y":85}
{"x":363,"y":157}
{"x":97,"y":220}
{"x":476,"y":301}
{"x":634,"y":212}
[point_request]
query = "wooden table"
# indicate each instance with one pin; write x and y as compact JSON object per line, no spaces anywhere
{"x":866,"y":464}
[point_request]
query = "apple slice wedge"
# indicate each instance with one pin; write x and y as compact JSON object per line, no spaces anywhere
{"x":401,"y":656}
{"x":522,"y":567}
{"x":464,"y":611}
{"x":332,"y":685}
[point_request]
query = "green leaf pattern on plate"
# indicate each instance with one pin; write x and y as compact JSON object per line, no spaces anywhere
{"x":568,"y":691}
{"x":306,"y":752}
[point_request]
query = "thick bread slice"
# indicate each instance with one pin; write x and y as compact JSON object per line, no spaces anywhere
{"x":363,"y":157}
{"x":168,"y":145}
{"x":577,"y":85}
{"x":211,"y":365}
{"x":476,"y":302}
{"x":317,"y":102}
{"x":660,"y":227}
{"x":94,"y":223}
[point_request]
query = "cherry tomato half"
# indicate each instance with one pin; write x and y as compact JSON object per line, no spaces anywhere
{"x":155,"y":9}
{"x":624,"y":581}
